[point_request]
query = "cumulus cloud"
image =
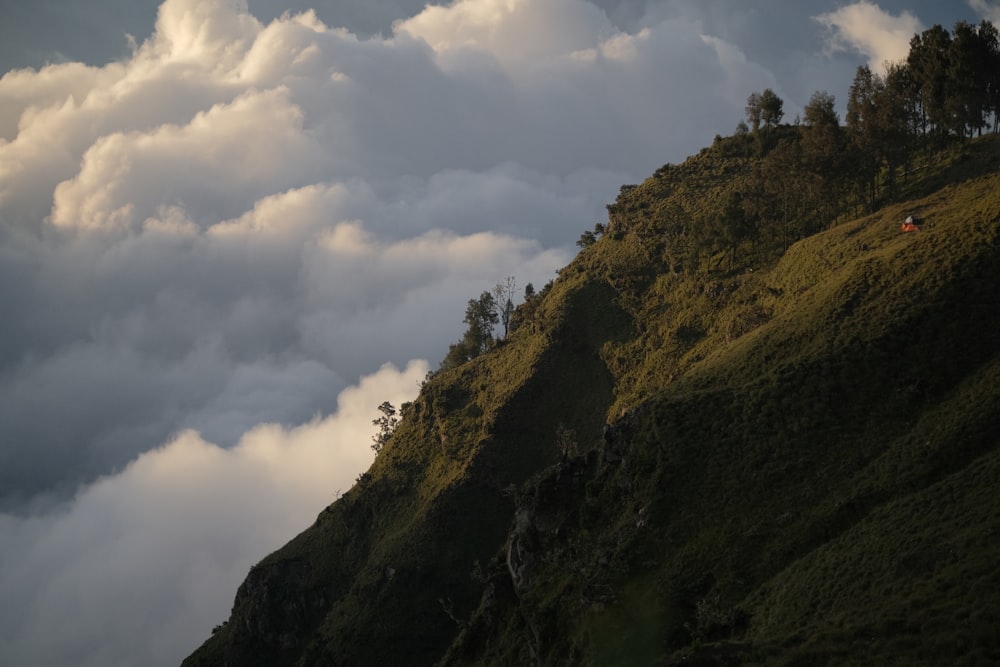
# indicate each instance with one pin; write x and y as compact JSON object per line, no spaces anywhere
{"x":866,"y":28}
{"x":515,"y":32}
{"x":181,"y":219}
{"x":142,"y":564}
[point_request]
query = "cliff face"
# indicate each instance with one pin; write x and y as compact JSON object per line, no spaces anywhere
{"x":791,"y":463}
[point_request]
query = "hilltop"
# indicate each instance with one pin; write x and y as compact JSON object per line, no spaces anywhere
{"x":782,"y":455}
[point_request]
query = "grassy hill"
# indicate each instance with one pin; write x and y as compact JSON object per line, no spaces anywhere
{"x":789,"y":460}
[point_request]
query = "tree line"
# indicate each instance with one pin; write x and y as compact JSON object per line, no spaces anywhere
{"x":806,"y":175}
{"x":803,"y":176}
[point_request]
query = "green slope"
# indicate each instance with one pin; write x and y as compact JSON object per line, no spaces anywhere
{"x":800,"y":468}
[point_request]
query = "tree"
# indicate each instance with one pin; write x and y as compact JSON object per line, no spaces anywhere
{"x":503,"y":293}
{"x":865,"y":131}
{"x":733,"y":226}
{"x":899,"y":115}
{"x":776,"y":196}
{"x":753,"y":111}
{"x":823,"y":156}
{"x":587,"y":239}
{"x":972,"y":65}
{"x":723,"y":230}
{"x":771,"y":108}
{"x":990,"y":49}
{"x":928,"y":61}
{"x":481,"y":315}
{"x":386,"y":424}
{"x":458,"y":354}
{"x":821,"y":111}
{"x":989,"y":44}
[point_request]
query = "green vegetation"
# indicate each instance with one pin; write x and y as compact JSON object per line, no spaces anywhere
{"x":482,"y":315}
{"x":796,"y":465}
{"x":752,"y":422}
{"x":386,"y":424}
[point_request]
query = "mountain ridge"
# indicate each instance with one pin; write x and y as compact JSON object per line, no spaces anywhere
{"x":664,"y":464}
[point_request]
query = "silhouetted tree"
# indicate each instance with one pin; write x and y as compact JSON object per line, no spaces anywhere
{"x":898,"y":112}
{"x":972,"y":69}
{"x":777,"y":194}
{"x":865,"y":132}
{"x":823,"y":156}
{"x":771,"y":108}
{"x":753,"y":111}
{"x":736,"y":226}
{"x":725,"y":230}
{"x":481,"y":315}
{"x":928,"y":61}
{"x":503,"y":293}
{"x":990,"y":64}
{"x":386,"y":424}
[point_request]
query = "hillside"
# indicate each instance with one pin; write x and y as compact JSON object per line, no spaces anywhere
{"x":783,"y":455}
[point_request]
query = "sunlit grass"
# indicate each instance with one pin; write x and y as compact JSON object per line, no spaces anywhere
{"x":801,"y":469}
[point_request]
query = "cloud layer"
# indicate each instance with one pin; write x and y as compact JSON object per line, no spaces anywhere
{"x":144,"y":562}
{"x":241,"y":206}
{"x":205,"y":243}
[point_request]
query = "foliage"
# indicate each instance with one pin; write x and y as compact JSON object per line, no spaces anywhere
{"x":955,"y":77}
{"x":503,"y":296}
{"x":771,"y":108}
{"x":386,"y":424}
{"x":766,"y":108}
{"x":589,"y":238}
{"x":481,"y":315}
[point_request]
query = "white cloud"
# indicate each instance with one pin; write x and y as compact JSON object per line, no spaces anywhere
{"x":164,"y":216}
{"x":864,"y":27}
{"x":989,"y":11}
{"x":213,"y":34}
{"x":213,"y":166}
{"x":141,"y":564}
{"x":518,"y":33}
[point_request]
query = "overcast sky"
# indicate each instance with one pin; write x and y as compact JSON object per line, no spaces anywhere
{"x":228,"y":233}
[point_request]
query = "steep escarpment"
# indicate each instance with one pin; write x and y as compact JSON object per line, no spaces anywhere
{"x":786,"y":457}
{"x":386,"y":571}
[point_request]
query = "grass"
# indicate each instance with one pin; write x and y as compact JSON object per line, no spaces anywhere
{"x":801,"y":442}
{"x":800,"y":469}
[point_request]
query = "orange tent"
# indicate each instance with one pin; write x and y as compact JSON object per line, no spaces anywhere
{"x":910,"y":225}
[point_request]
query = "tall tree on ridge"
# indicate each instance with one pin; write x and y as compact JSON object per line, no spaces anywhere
{"x":771,"y":108}
{"x":753,"y":111}
{"x":865,"y":131}
{"x":928,"y":61}
{"x":823,"y":156}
